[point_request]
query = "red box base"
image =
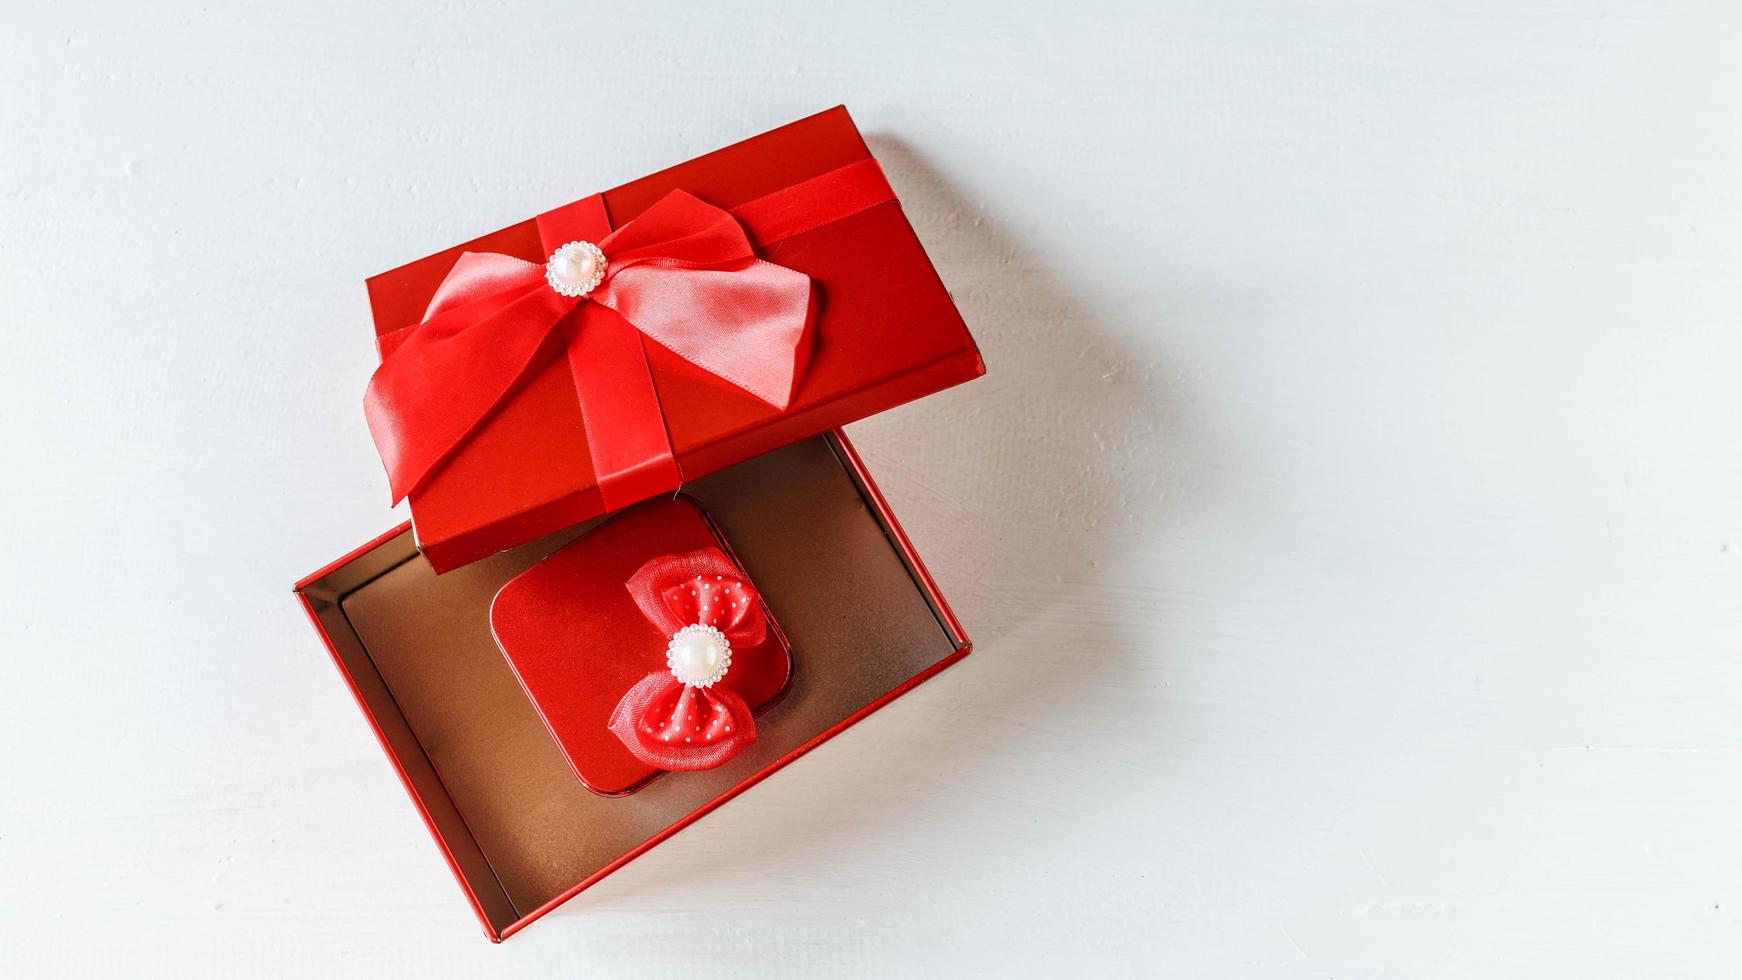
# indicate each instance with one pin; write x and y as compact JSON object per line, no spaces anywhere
{"x":522,"y":836}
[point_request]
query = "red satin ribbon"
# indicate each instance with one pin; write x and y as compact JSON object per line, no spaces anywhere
{"x":682,"y":273}
{"x":676,"y":726}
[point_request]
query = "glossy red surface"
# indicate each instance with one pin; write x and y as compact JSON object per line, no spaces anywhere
{"x":886,"y":332}
{"x":577,"y":640}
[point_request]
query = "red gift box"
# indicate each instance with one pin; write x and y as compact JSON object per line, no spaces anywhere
{"x":519,"y":831}
{"x":884,"y":332}
{"x":491,"y":758}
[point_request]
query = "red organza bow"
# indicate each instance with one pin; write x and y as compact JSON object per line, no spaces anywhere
{"x":683,"y":273}
{"x":688,"y":716}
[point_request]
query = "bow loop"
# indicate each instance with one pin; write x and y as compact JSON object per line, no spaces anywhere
{"x":491,"y":340}
{"x":679,"y":227}
{"x":702,"y":588}
{"x":712,"y":316}
{"x":679,"y":728}
{"x":482,"y":277}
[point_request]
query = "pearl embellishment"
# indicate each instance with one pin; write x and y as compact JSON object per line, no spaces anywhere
{"x":698,"y":655}
{"x":575,"y":269}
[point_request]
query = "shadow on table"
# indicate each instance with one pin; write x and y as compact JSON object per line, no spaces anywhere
{"x":1050,"y":472}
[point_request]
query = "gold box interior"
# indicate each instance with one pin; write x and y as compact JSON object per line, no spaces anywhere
{"x":506,"y":805}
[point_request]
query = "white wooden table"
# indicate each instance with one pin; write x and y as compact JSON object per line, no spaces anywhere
{"x":1349,"y":524}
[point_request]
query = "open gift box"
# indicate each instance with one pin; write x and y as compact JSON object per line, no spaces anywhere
{"x":407,"y":617}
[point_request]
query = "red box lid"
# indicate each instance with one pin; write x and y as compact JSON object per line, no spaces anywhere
{"x":886,"y":332}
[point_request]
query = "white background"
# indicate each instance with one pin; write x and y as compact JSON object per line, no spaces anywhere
{"x":1349,"y":522}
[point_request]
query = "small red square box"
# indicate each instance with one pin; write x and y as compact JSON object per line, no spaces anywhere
{"x":521,"y":833}
{"x":577,"y":640}
{"x":884,"y":332}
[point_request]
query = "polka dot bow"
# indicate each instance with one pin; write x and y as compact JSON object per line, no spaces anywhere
{"x":688,"y":716}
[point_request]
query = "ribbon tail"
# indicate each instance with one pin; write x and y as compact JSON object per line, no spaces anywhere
{"x":449,"y":374}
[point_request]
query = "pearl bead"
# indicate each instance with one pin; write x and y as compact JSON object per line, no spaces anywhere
{"x":576,"y":268}
{"x":698,"y":655}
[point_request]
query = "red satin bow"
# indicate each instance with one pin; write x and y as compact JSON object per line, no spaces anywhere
{"x":683,"y":273}
{"x":663,"y":721}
